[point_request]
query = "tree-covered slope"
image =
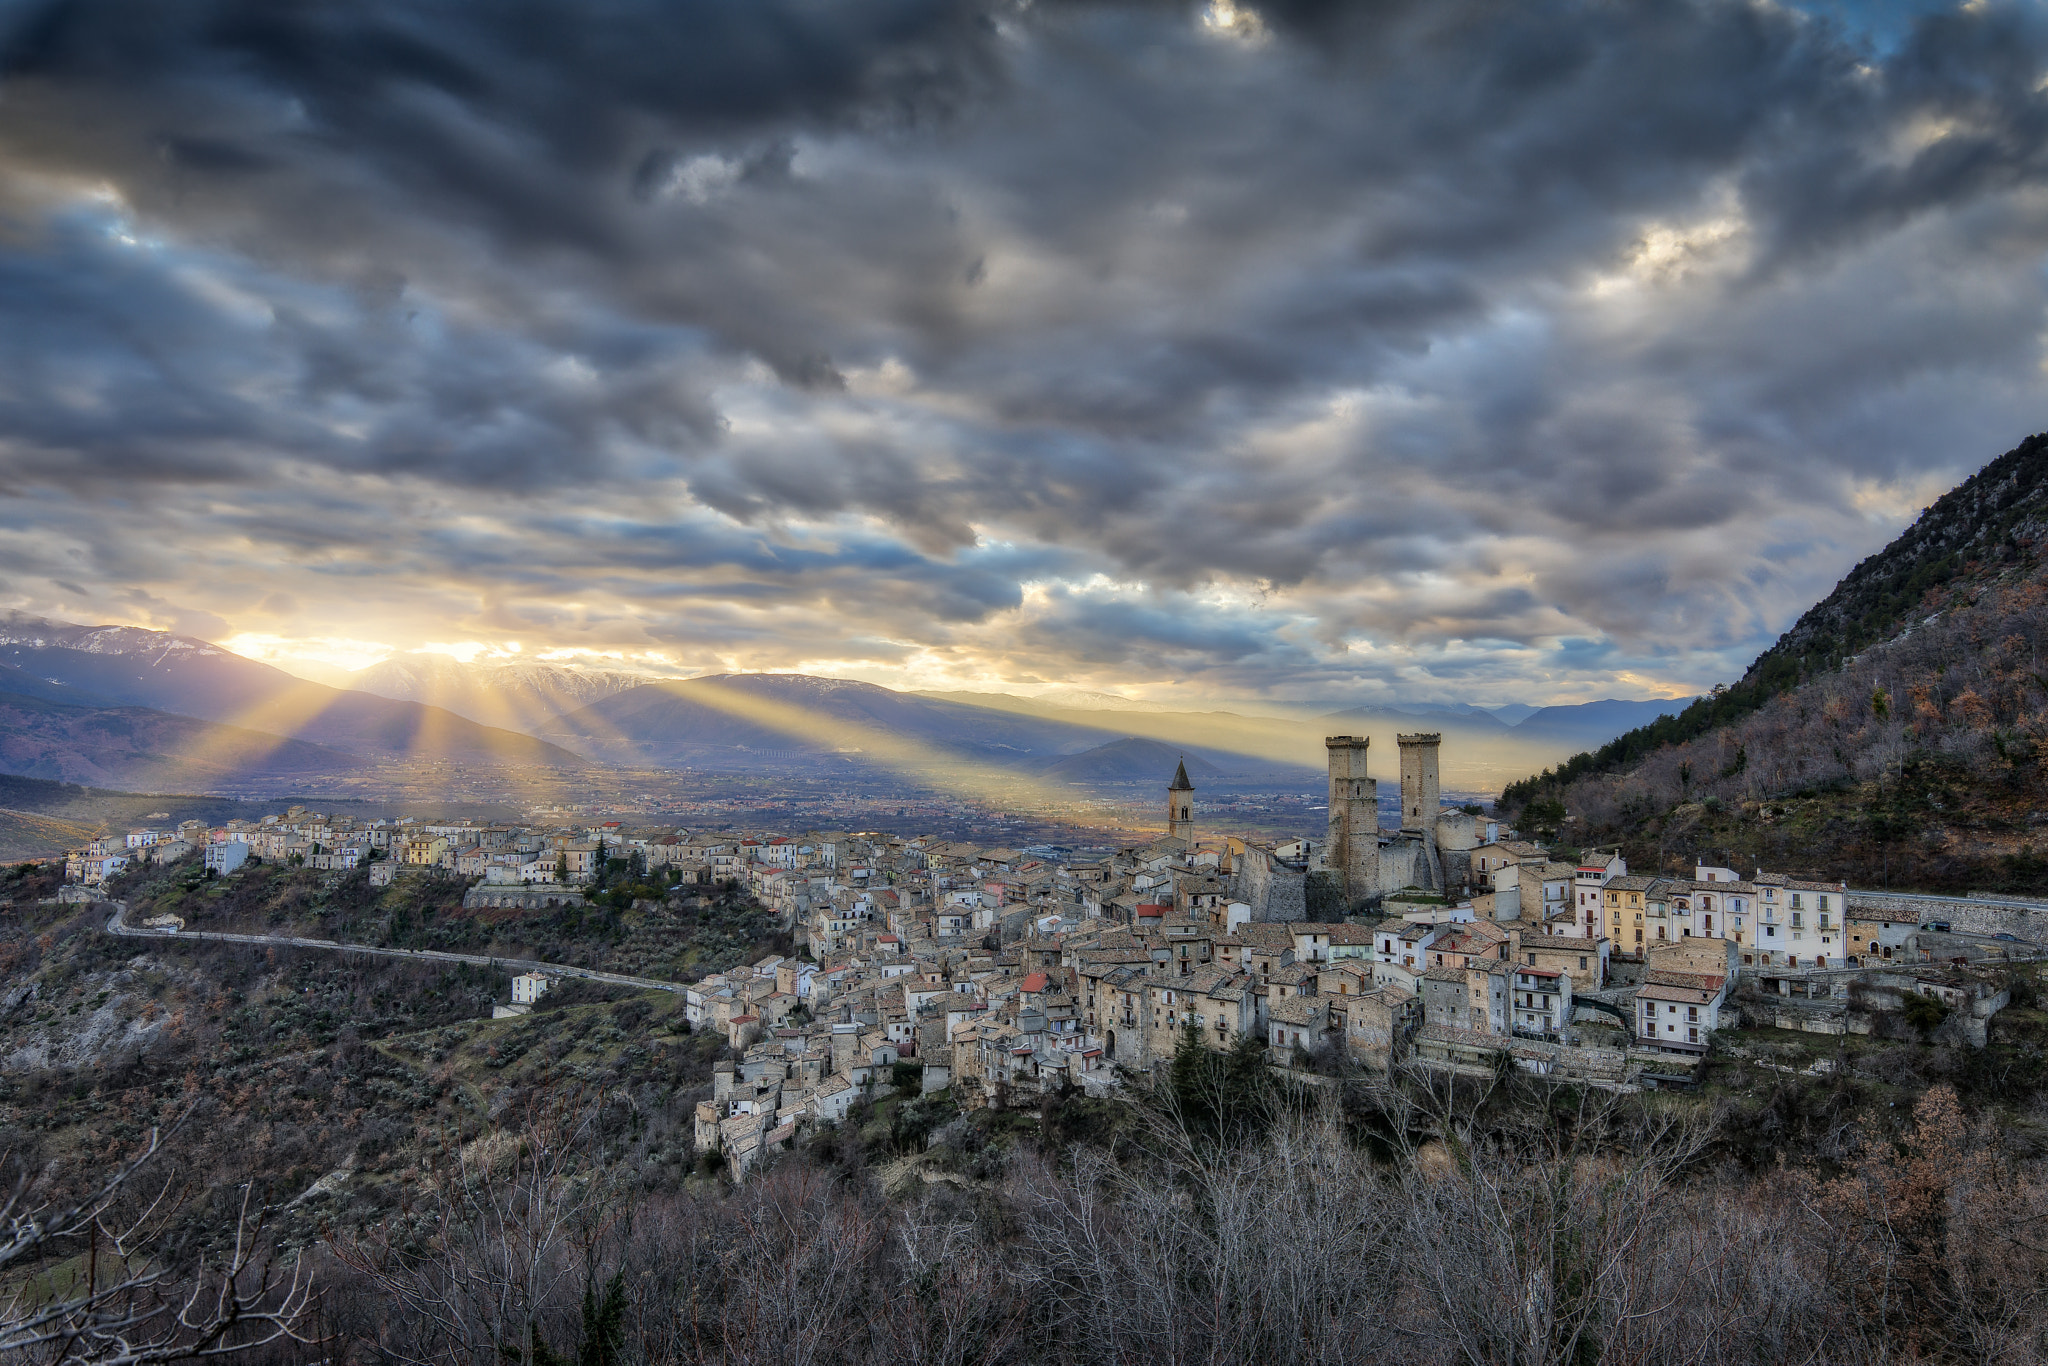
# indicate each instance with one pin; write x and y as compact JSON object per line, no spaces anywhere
{"x":1987,"y":529}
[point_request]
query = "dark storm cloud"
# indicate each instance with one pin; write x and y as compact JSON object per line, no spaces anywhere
{"x":1417,"y":324}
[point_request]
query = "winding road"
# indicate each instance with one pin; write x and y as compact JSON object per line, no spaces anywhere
{"x":117,"y":923}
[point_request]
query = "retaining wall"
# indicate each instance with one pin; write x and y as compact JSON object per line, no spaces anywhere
{"x":1970,"y":915}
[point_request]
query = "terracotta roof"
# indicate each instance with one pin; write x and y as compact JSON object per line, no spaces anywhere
{"x":1693,"y":996}
{"x":1561,"y":943}
{"x":1703,"y":981}
{"x":1295,"y":1010}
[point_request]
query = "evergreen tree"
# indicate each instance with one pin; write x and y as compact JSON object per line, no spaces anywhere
{"x":604,"y":1330}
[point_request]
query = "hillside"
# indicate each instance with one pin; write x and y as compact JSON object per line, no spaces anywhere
{"x":1132,"y":760}
{"x":27,"y":835}
{"x":125,"y":666}
{"x":134,"y":747}
{"x":1898,"y":734}
{"x":1988,"y":526}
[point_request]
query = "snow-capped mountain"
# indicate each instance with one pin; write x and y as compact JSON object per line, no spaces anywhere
{"x":1083,"y":699}
{"x":516,"y":696}
{"x":40,"y":633}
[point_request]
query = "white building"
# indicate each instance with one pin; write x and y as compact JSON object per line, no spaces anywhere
{"x":225,"y":858}
{"x":528,"y":987}
{"x":1678,"y":1019}
{"x":1540,"y":1000}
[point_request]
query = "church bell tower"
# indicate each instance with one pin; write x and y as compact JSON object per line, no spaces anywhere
{"x":1180,"y":806}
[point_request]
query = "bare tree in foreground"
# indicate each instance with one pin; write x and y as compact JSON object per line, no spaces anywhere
{"x":119,"y":1306}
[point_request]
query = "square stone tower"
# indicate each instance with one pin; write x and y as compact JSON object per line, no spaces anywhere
{"x":1420,"y":790}
{"x":1353,"y":852}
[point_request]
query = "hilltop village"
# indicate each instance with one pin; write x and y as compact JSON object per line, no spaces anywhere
{"x":1002,"y":973}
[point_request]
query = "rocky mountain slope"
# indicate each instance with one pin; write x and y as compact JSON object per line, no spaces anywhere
{"x":1897,"y":733}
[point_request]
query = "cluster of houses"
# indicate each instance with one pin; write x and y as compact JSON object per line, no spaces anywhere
{"x":493,"y":855}
{"x":1769,"y":920}
{"x":996,"y":972}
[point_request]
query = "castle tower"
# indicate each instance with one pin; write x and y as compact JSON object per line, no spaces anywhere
{"x":1420,"y":806}
{"x":1420,"y":791}
{"x":1180,"y":806}
{"x":1354,"y":846}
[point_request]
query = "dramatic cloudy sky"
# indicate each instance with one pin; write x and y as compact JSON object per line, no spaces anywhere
{"x":1488,"y":351}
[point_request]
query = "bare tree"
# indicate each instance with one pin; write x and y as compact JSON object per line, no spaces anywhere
{"x":122,"y":1308}
{"x":498,"y":1263}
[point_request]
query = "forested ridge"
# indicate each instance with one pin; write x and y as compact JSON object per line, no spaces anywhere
{"x":1897,"y":734}
{"x":1986,"y":528}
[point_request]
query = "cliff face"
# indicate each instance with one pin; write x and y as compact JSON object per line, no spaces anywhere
{"x":1897,"y":733}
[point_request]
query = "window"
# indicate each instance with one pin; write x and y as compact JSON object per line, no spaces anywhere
{"x":1582,"y":962}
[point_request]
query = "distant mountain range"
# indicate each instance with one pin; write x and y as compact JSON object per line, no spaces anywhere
{"x":1577,"y":723}
{"x":125,"y":707}
{"x":702,"y":720}
{"x":751,"y":719}
{"x":86,"y":672}
{"x":1131,"y":760}
{"x":520,"y":696}
{"x":1081,"y":699}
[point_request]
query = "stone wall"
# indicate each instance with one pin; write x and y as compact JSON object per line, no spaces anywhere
{"x":1275,"y":890}
{"x":528,"y":898}
{"x":1971,"y":915}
